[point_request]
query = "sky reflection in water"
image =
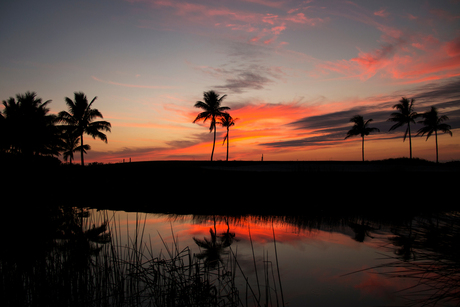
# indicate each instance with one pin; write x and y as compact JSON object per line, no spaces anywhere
{"x":312,"y":262}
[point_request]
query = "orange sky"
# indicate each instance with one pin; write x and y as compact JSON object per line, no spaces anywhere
{"x":294,"y":72}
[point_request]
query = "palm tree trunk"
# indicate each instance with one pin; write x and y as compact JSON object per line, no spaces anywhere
{"x":228,"y":141}
{"x":363,"y":148}
{"x":410,"y":141}
{"x":436,"y":138}
{"x":81,"y":143}
{"x":213,"y":143}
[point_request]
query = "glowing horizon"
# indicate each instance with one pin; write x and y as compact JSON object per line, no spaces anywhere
{"x":294,"y":73}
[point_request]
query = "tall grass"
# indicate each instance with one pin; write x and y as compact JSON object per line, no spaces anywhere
{"x":90,"y":261}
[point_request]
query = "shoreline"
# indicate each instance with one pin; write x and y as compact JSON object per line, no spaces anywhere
{"x":241,"y":187}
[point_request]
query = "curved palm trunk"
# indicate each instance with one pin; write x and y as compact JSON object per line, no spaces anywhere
{"x":363,"y":148}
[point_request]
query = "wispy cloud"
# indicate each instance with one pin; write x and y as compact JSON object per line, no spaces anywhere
{"x":132,"y":85}
{"x":330,"y":128}
{"x":242,"y":77}
{"x":263,"y":28}
{"x":408,"y":56}
{"x":382,"y":13}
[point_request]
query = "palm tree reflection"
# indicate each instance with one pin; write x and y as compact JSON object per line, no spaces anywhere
{"x":214,"y":248}
{"x":426,"y":251}
{"x":361,"y":230}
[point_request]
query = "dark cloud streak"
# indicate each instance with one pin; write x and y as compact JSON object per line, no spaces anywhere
{"x":333,"y":127}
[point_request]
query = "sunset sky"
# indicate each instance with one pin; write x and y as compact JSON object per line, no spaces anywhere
{"x":294,"y":72}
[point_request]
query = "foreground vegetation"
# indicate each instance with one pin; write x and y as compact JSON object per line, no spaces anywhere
{"x":73,"y":258}
{"x":79,"y":260}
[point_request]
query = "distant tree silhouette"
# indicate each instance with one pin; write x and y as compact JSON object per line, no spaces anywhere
{"x":212,"y":110}
{"x":360,"y":128}
{"x":405,"y":116}
{"x":71,"y":145}
{"x":433,"y":123}
{"x":28,"y":129}
{"x":227,"y":121}
{"x":80,"y":120}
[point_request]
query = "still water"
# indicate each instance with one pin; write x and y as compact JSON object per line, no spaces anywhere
{"x":307,"y":261}
{"x":69,"y":256}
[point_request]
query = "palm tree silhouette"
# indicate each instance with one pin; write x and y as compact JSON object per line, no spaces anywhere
{"x":71,"y":145}
{"x":212,"y":110}
{"x":360,"y":128}
{"x":80,"y":119}
{"x":433,"y":123}
{"x":406,"y":115}
{"x":227,"y":121}
{"x":30,"y":130}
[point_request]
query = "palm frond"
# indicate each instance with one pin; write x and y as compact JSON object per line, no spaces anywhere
{"x":202,"y":105}
{"x":203,"y":116}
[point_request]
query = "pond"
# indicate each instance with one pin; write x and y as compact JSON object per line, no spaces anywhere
{"x":317,"y":260}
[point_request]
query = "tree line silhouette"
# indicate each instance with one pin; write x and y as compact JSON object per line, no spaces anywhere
{"x":406,"y":115}
{"x":432,"y":123}
{"x":27,"y":129}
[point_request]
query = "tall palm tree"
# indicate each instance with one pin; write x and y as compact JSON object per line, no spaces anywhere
{"x":227,"y":121}
{"x":406,"y":115}
{"x":212,"y":110}
{"x":433,"y":123}
{"x":80,"y":119}
{"x":360,"y":128}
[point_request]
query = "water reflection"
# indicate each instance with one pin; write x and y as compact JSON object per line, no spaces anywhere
{"x":427,"y":251}
{"x":50,"y":258}
{"x":93,"y":258}
{"x":215,"y":247}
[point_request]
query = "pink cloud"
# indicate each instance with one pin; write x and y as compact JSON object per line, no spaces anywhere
{"x":269,"y":18}
{"x":245,"y":28}
{"x":300,"y":18}
{"x":381,"y":13}
{"x":426,"y":42}
{"x":277,"y":30}
{"x":452,"y":48}
{"x":212,"y":14}
{"x":403,"y":55}
{"x":444,"y":15}
{"x":275,"y":4}
{"x":364,"y":66}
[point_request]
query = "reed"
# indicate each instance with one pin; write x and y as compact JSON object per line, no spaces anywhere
{"x":92,"y":262}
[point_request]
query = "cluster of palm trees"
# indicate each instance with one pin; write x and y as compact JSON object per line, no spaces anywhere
{"x":213,"y":111}
{"x":405,"y":116}
{"x":27,"y":128}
